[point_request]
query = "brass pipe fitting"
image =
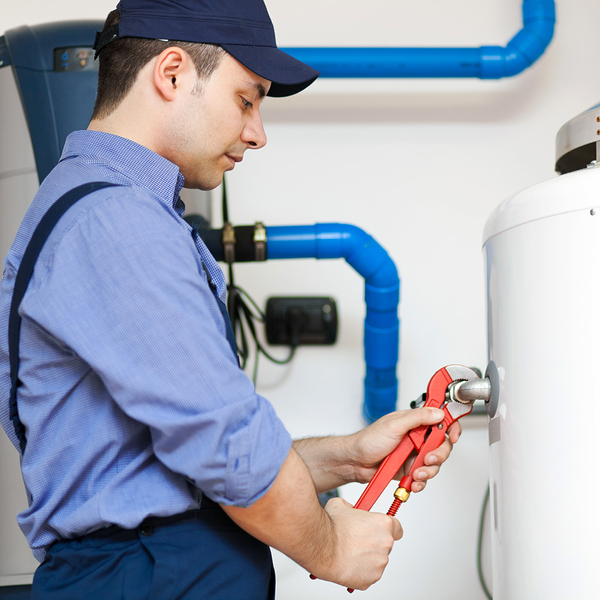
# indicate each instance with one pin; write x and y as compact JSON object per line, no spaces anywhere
{"x":402,"y":494}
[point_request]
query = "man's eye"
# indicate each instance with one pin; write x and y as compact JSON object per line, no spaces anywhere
{"x":246,"y":103}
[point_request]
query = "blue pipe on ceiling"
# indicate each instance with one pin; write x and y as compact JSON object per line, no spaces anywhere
{"x":487,"y":62}
{"x":382,"y":297}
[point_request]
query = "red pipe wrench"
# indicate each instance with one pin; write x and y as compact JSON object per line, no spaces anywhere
{"x":423,"y":439}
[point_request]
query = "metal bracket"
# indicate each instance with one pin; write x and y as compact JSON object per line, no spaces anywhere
{"x":260,"y":241}
{"x":229,"y":243}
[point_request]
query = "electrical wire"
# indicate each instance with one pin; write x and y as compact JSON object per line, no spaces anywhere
{"x":244,"y":313}
{"x":480,"y":545}
{"x":243,"y":319}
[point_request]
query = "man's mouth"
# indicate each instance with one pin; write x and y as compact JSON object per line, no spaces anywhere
{"x":234,"y":158}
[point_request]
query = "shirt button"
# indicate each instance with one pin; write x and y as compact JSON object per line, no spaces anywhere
{"x":146,"y":529}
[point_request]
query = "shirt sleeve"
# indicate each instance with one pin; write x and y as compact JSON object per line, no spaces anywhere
{"x":123,"y":288}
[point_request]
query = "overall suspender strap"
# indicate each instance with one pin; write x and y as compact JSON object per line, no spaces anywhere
{"x":38,"y":239}
{"x":223,"y":309}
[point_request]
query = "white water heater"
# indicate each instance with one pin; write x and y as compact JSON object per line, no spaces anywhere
{"x":542,"y":251}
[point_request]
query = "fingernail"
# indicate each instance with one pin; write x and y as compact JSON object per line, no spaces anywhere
{"x":431,"y":460}
{"x":421,"y":474}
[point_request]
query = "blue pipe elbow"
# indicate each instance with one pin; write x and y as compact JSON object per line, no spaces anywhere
{"x":382,"y":297}
{"x":487,"y":62}
{"x":526,"y":47}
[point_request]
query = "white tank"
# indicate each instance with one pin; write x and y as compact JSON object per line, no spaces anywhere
{"x":542,"y":251}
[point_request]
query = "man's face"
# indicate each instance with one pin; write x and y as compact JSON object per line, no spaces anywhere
{"x":219,"y":120}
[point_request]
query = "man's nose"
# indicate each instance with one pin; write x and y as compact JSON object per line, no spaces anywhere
{"x":254,"y":133}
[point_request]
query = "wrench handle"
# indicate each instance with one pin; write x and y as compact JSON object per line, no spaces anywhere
{"x":388,"y":468}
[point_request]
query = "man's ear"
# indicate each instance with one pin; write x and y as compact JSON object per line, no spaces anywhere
{"x":171,"y":70}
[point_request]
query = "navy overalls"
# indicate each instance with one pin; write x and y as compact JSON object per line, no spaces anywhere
{"x":201,"y":554}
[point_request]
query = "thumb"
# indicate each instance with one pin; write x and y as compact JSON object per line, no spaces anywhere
{"x":419,"y":416}
{"x":336,"y":504}
{"x":397,"y":531}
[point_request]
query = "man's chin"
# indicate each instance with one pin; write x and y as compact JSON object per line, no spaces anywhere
{"x":205,"y":185}
{"x":202,"y":187}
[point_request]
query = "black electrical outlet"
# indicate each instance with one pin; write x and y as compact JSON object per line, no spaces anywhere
{"x":297,"y":321}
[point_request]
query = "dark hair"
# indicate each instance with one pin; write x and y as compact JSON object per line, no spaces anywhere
{"x":122,"y":60}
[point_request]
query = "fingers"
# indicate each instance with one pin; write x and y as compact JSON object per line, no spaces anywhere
{"x":422,"y":475}
{"x":435,"y":459}
{"x":454,"y":432}
{"x":441,"y":454}
{"x":397,"y":531}
{"x":418,"y":486}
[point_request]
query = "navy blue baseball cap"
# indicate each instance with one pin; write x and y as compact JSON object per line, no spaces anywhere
{"x":241,"y":27}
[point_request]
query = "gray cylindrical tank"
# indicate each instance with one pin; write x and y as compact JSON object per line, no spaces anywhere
{"x":48,"y":81}
{"x":18,"y":184}
{"x":47,"y":88}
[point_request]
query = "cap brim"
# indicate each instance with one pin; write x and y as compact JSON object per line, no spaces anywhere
{"x":287,"y":74}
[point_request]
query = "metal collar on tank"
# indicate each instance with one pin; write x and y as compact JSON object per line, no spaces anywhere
{"x":578,"y":142}
{"x":486,"y":389}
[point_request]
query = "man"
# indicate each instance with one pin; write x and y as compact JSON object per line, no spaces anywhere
{"x":153,"y":469}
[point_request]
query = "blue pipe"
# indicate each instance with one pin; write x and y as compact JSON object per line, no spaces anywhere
{"x":382,"y":297}
{"x":487,"y":62}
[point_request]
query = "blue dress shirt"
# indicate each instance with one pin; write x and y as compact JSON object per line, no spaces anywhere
{"x":132,"y":400}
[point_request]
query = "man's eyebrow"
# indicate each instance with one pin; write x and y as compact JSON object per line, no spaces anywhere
{"x":260,"y":89}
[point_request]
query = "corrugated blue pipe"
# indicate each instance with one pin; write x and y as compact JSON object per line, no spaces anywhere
{"x":487,"y":62}
{"x":382,"y":296}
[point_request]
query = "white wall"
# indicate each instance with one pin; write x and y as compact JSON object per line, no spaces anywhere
{"x":419,"y":165}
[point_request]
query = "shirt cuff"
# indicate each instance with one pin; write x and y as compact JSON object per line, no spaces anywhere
{"x":255,"y":454}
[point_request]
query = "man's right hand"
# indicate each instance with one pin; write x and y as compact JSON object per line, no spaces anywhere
{"x":363,"y":542}
{"x":339,"y":544}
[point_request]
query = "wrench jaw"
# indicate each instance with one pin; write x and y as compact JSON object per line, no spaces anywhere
{"x":458,"y":409}
{"x":458,"y":372}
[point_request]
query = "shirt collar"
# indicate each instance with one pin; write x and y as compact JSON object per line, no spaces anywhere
{"x":136,"y":162}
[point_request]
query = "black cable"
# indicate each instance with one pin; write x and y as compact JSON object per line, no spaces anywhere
{"x":239,"y":307}
{"x":225,"y":212}
{"x":224,"y":209}
{"x":480,"y":544}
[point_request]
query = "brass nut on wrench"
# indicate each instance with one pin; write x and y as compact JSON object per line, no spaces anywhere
{"x":402,"y":494}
